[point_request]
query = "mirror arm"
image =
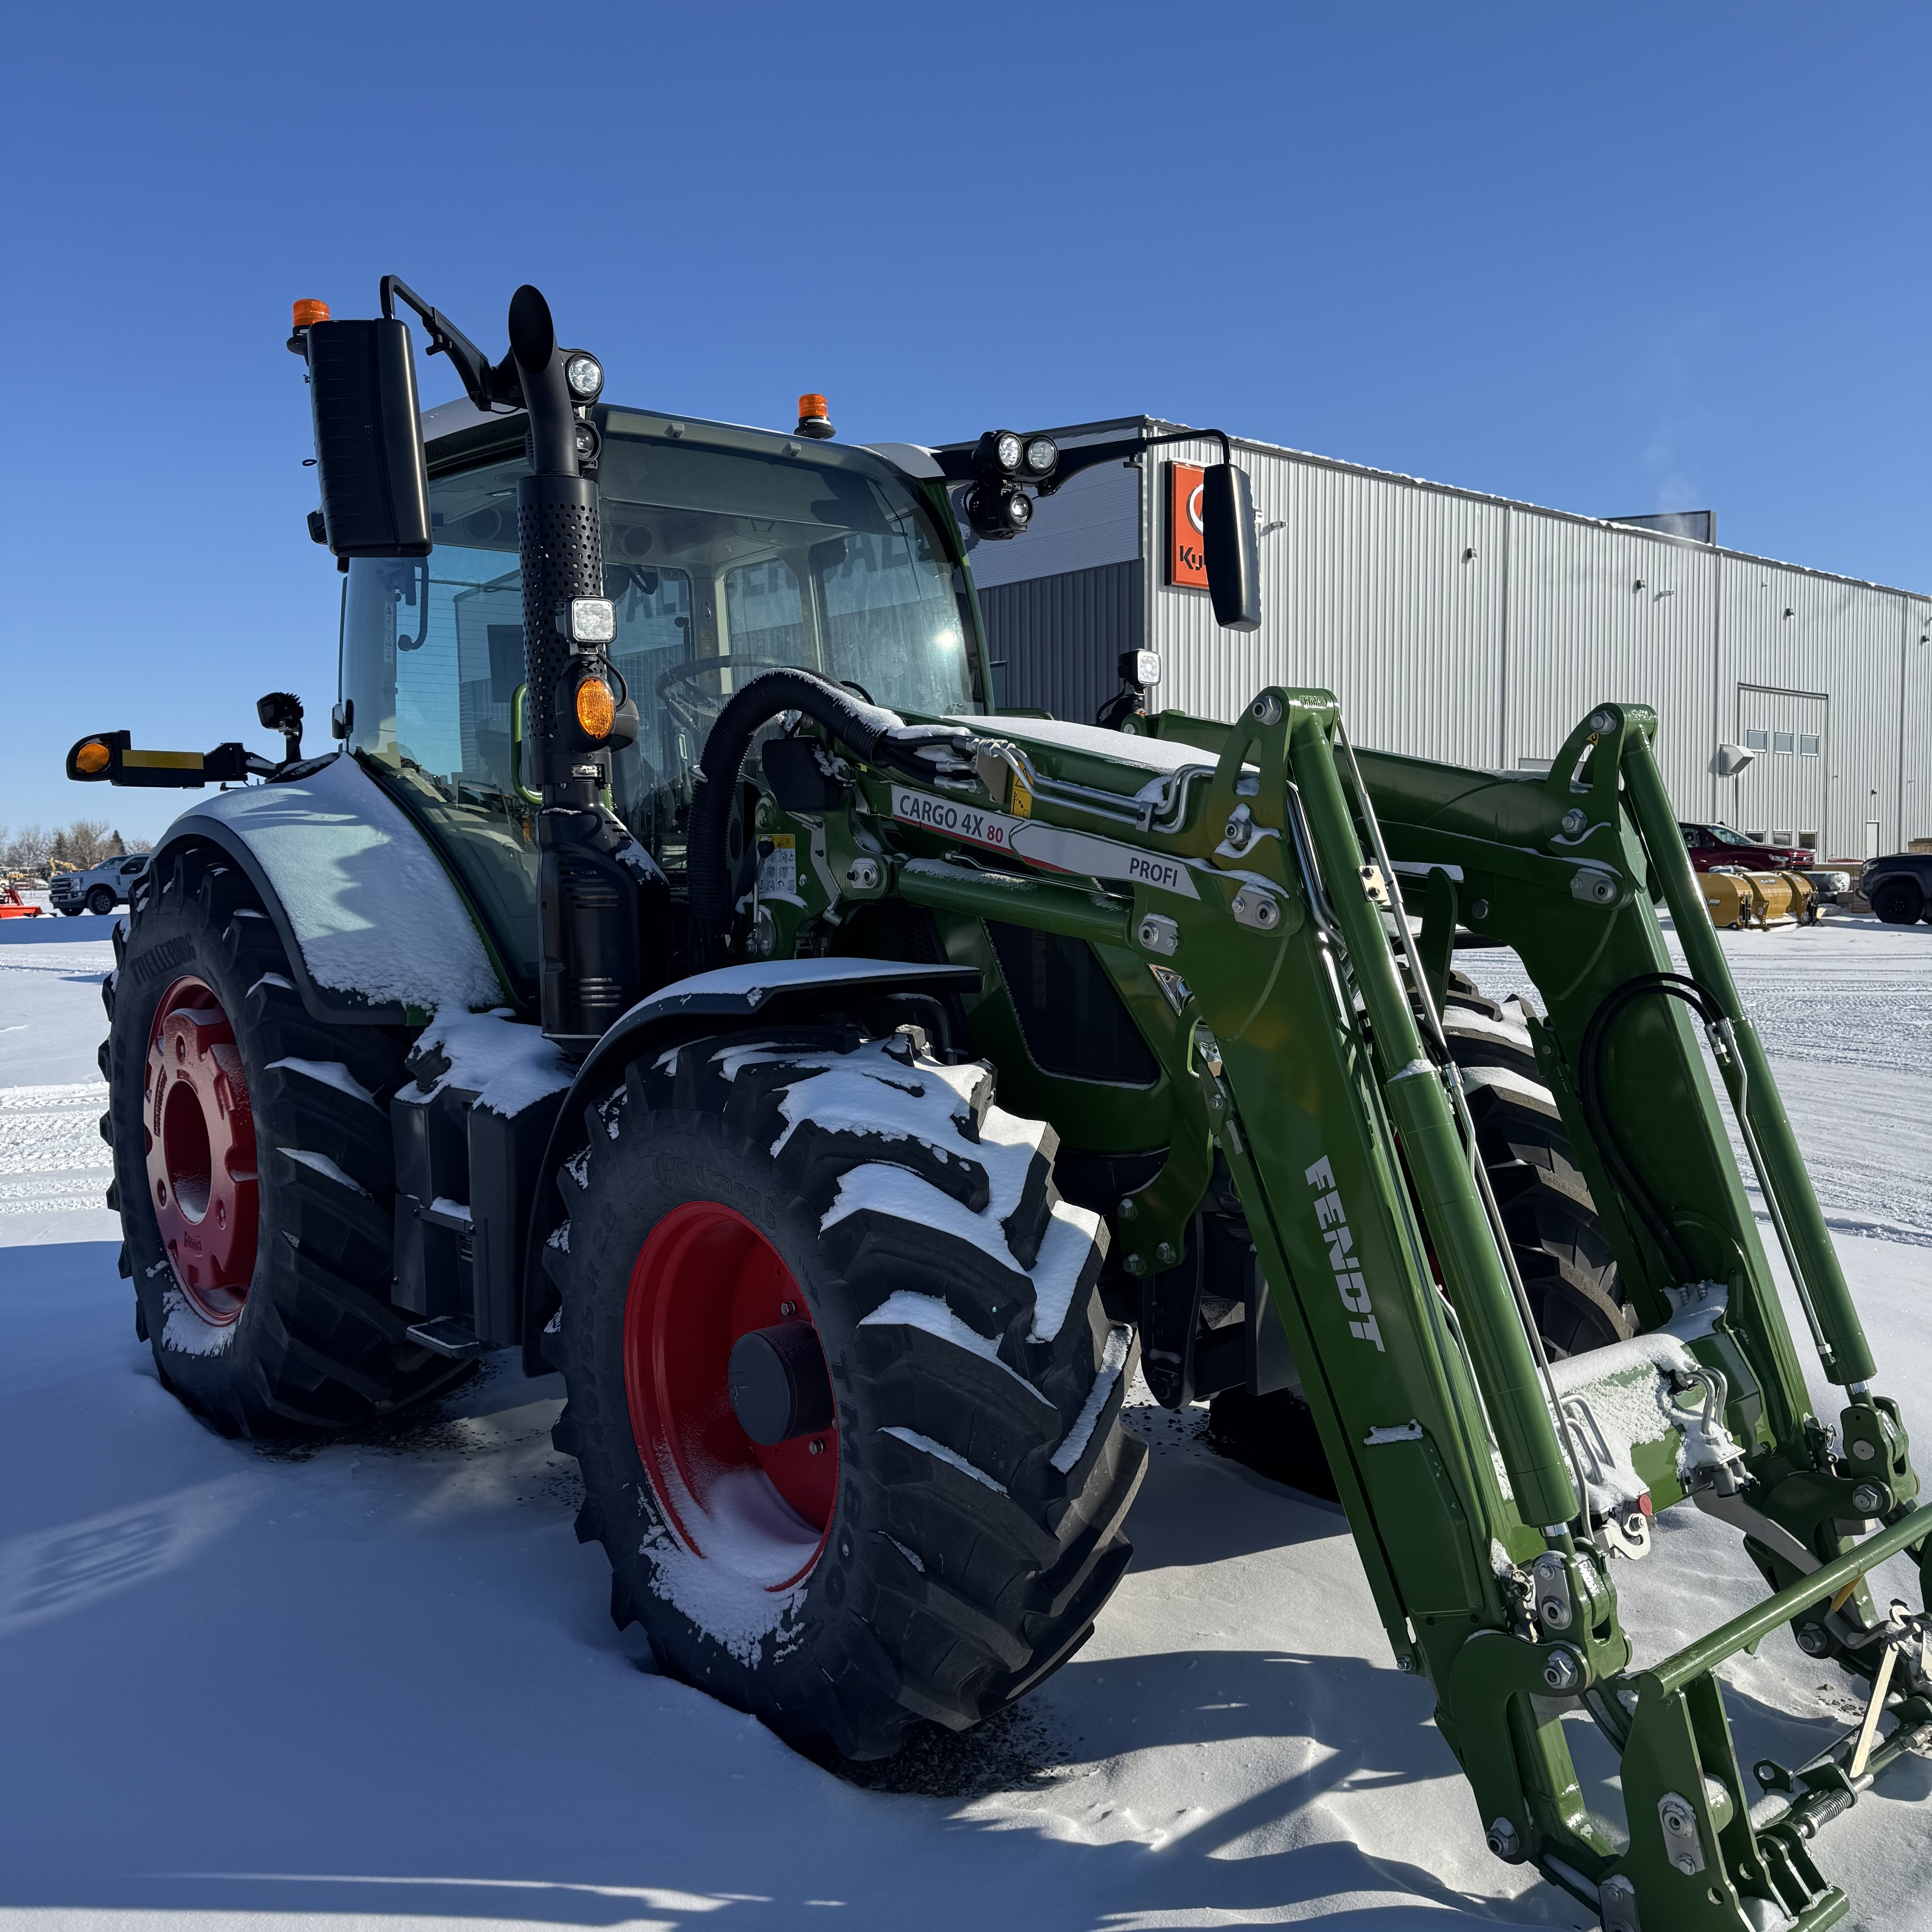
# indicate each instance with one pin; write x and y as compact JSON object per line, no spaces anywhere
{"x":487,"y":384}
{"x":1072,"y":461}
{"x":956,"y":465}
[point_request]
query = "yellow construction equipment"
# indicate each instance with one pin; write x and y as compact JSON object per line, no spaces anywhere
{"x":1736,"y":900}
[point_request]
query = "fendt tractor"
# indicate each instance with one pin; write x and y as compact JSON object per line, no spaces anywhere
{"x":633,"y":988}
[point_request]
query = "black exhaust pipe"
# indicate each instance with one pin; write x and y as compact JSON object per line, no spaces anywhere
{"x":601,"y":923}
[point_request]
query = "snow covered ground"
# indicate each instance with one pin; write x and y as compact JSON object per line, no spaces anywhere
{"x":375,"y":1681}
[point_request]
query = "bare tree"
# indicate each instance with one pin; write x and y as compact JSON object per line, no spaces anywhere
{"x":27,"y":850}
{"x":87,"y":841}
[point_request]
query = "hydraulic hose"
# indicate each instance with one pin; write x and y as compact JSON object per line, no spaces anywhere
{"x":1657,"y":1222}
{"x":1717,"y":1027}
{"x":875,"y":735}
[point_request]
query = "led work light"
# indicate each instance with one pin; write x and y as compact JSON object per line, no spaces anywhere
{"x":587,"y":620}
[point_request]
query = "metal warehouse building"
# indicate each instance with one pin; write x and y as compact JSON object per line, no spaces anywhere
{"x":1467,"y":628}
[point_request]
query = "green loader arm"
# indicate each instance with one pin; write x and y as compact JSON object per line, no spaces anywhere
{"x":1255,"y":880}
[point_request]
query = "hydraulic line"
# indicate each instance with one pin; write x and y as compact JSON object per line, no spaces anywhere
{"x":1719,"y":1030}
{"x":1452,"y":1079}
{"x":876,"y":736}
{"x":1847,"y":1358}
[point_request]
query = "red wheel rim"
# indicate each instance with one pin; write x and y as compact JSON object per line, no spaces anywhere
{"x":198,"y":1137}
{"x":704,"y":1276}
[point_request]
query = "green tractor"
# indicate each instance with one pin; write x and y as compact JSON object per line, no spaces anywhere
{"x":683,"y":974}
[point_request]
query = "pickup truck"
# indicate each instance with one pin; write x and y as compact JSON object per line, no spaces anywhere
{"x":1712,"y":846}
{"x":1899,"y":888}
{"x":99,"y":889}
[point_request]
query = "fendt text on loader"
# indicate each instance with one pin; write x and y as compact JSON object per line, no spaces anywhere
{"x":683,"y":974}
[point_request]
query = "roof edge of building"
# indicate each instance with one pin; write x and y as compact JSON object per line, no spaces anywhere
{"x":1164,"y":424}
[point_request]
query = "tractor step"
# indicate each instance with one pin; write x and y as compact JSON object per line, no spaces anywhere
{"x":448,"y":1336}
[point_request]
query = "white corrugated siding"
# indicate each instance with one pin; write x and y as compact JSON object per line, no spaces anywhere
{"x":1844,"y":642}
{"x":1598,"y":614}
{"x":1368,"y":591}
{"x":1916,"y":726}
{"x":1464,"y":628}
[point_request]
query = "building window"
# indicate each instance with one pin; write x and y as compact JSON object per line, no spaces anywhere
{"x":1780,"y":742}
{"x":1808,"y":744}
{"x":1757,"y":741}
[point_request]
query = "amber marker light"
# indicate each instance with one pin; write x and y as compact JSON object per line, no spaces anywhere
{"x":308,"y":311}
{"x":92,"y":758}
{"x":814,"y":418}
{"x":596,"y":709}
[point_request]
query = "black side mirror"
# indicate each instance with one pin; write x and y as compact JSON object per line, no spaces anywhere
{"x":1229,"y":548}
{"x":368,"y":444}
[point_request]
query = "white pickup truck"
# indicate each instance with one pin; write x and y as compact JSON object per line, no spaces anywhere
{"x":101,"y":888}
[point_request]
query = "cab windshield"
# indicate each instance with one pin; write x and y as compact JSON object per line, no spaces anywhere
{"x":721,"y":561}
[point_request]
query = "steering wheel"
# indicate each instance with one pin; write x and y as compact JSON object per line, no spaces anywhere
{"x":693,"y":668}
{"x":688,"y":706}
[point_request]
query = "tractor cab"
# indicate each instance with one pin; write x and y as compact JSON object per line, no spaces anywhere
{"x":727,"y":551}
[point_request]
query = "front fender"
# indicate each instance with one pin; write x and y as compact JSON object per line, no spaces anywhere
{"x":735,"y":999}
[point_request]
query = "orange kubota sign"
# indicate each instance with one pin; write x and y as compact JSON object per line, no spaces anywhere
{"x":1187,"y":559}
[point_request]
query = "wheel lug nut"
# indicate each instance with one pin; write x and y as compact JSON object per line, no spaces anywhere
{"x":816,"y":1446}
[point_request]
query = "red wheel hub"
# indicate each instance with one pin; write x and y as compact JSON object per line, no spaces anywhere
{"x":704,"y":1276}
{"x":198,"y":1137}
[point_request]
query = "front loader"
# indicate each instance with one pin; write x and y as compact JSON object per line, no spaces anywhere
{"x":685,"y":976}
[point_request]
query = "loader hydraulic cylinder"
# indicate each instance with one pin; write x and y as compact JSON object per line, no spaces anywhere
{"x":1438,"y":1163}
{"x":1821,"y":1280}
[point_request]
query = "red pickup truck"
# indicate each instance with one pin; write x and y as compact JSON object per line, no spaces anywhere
{"x":1711,"y":845}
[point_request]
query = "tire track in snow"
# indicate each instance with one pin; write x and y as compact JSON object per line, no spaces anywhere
{"x":52,"y":1156}
{"x":1845,"y":1013}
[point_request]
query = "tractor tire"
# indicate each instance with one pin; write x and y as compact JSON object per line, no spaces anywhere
{"x":943,"y":1532}
{"x":101,"y":900}
{"x":1567,"y":1266}
{"x":252,"y":1170}
{"x":1899,"y":902}
{"x":1568,"y":1269}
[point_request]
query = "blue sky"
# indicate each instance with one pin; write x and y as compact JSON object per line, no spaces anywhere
{"x":1612,"y":260}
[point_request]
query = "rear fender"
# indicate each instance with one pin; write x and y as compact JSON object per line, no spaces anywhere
{"x":376,"y":932}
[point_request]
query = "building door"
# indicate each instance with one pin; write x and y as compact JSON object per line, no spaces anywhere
{"x":1783,"y":793}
